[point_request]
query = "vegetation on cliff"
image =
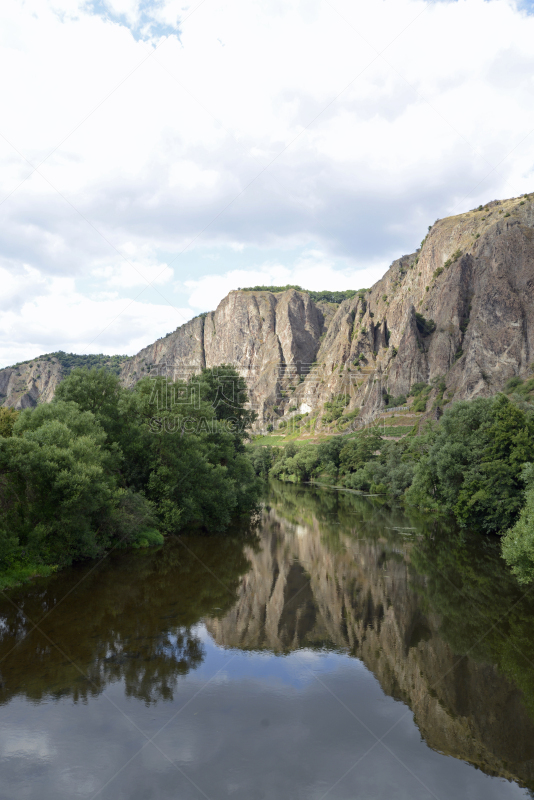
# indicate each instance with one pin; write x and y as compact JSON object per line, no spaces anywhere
{"x":325,"y":296}
{"x":103,"y":467}
{"x":70,"y":361}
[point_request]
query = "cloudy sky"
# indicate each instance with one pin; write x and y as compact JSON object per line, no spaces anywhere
{"x":155,"y":155}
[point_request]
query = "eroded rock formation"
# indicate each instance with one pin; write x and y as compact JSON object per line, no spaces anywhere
{"x":459,"y":311}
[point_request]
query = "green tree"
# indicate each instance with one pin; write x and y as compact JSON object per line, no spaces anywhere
{"x":97,"y":390}
{"x":226,"y":392}
{"x":473,"y":466}
{"x":58,"y":487}
{"x":518,"y":542}
{"x":8,"y":417}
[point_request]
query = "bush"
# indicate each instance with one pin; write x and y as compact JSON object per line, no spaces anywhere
{"x":417,"y":388}
{"x":8,"y":417}
{"x":419,"y":405}
{"x":400,"y":400}
{"x":513,"y":383}
{"x":472,"y":468}
{"x":424,"y":326}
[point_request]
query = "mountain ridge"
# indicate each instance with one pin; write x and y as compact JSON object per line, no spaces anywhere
{"x":457,"y":315}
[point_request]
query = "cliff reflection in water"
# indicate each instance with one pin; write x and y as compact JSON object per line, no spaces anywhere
{"x":434,"y":615}
{"x":427,"y":611}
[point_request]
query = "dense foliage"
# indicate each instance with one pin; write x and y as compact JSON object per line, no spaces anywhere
{"x":103,"y":466}
{"x":518,"y":543}
{"x":470,"y":466}
{"x":324,"y":296}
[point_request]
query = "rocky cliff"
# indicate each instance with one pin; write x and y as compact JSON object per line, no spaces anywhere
{"x":458,"y":315}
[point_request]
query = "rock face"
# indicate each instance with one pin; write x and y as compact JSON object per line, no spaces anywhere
{"x":268,"y":337}
{"x":361,"y":595}
{"x":459,"y":311}
{"x":27,"y":384}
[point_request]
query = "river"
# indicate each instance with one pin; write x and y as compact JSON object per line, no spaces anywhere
{"x":336,"y":649}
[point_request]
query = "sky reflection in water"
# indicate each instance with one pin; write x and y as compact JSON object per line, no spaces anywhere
{"x":274,"y":695}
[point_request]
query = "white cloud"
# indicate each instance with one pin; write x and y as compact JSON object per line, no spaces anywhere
{"x":62,"y":319}
{"x":137,"y":267}
{"x":350,"y":125}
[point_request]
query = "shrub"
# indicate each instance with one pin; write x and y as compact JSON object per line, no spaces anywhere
{"x":393,"y":402}
{"x":419,"y":387}
{"x":424,"y":326}
{"x":419,"y":405}
{"x":513,"y":383}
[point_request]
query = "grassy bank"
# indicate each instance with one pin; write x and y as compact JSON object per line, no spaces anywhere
{"x":17,"y":574}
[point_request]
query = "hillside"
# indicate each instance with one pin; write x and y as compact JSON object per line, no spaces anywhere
{"x":29,"y":382}
{"x":455,"y":318}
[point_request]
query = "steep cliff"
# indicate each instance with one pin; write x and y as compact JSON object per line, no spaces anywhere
{"x":458,"y":315}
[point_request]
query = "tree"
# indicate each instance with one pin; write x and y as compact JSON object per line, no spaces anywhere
{"x":226,"y":392}
{"x":473,"y":466}
{"x":57,"y":485}
{"x":8,"y":417}
{"x":518,"y":541}
{"x":97,"y":390}
{"x":103,"y":466}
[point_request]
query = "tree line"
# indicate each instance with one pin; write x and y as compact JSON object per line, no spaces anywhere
{"x":326,"y":296}
{"x":103,"y":467}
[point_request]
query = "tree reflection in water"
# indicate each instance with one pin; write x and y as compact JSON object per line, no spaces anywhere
{"x":432,"y":612}
{"x":129,"y":619}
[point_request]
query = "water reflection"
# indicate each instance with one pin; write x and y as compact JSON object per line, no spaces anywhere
{"x":434,"y":616}
{"x":129,"y":619}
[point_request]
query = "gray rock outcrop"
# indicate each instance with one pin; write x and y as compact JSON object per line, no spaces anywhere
{"x":459,"y":311}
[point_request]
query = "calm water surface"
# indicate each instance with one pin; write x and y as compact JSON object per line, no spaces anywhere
{"x":339,"y":650}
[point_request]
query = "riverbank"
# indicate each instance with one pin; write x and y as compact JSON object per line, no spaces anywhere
{"x":472,"y":466}
{"x":394,"y":613}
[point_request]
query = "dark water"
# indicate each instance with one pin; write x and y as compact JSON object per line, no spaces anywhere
{"x":339,"y":651}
